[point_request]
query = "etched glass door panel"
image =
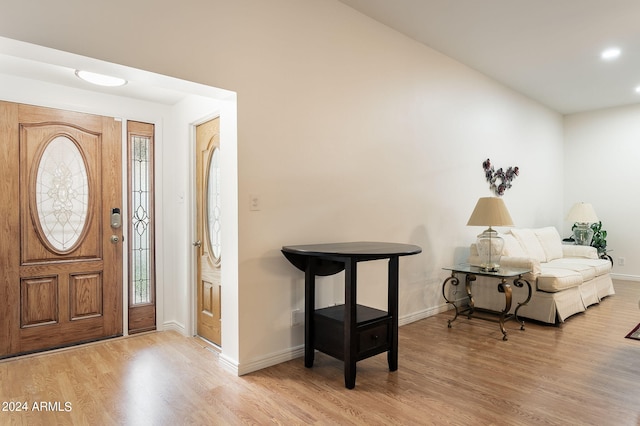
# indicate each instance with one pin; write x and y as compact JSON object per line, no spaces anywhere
{"x":213,"y":205}
{"x":60,"y":164}
{"x":140,"y":243}
{"x":62,"y":194}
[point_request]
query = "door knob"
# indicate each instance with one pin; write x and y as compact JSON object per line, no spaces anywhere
{"x":115,"y":239}
{"x":197,"y":244}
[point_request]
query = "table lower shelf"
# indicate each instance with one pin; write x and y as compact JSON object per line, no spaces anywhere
{"x":371,"y":336}
{"x":488,"y":315}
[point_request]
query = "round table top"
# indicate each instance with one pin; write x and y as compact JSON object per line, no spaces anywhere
{"x":360,"y":248}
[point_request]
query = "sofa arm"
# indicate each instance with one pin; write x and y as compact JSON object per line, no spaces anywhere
{"x":573,"y":250}
{"x":522,"y":262}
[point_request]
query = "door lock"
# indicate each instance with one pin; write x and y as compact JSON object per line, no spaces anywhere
{"x":197,"y":244}
{"x":115,"y":239}
{"x":116,"y":218}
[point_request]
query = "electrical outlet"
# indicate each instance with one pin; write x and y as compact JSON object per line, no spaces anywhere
{"x":621,"y":261}
{"x":297,"y":318}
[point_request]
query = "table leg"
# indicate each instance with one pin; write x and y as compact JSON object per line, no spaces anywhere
{"x":505,"y":288}
{"x":350,"y":345}
{"x":392,"y":302}
{"x":309,"y":307}
{"x":519,"y":282}
{"x":453,"y":280}
{"x":469,"y":278}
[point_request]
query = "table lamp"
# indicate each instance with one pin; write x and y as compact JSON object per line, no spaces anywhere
{"x":490,"y":211}
{"x":582,"y":214}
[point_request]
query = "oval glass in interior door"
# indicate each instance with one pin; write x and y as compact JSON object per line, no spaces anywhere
{"x":213,"y":204}
{"x":62,"y":194}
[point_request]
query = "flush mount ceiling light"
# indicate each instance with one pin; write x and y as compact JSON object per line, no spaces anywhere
{"x":610,"y":54}
{"x":100,"y":79}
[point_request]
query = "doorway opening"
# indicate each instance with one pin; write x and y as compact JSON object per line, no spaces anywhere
{"x":37,"y":75}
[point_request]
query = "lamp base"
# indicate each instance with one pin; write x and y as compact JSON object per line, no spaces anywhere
{"x":490,"y":268}
{"x":490,"y":250}
{"x":582,"y":233}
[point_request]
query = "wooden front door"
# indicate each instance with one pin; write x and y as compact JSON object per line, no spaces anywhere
{"x":208,"y":230}
{"x":60,"y":251}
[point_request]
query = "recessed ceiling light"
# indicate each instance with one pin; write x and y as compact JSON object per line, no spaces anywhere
{"x":100,"y":79}
{"x":611,"y":53}
{"x":638,"y":89}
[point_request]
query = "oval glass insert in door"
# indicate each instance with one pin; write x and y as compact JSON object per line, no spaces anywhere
{"x":213,"y":205}
{"x":62,"y":194}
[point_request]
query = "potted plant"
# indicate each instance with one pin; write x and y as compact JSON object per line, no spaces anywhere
{"x":599,"y":240}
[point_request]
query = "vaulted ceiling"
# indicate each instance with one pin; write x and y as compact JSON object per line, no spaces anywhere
{"x":547,"y":50}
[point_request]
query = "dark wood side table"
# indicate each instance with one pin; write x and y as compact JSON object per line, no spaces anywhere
{"x":349,"y":332}
{"x":471,"y":273}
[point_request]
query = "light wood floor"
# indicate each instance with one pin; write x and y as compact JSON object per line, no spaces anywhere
{"x":582,"y":373}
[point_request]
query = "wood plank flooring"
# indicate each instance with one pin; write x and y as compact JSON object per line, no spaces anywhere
{"x":583,"y":372}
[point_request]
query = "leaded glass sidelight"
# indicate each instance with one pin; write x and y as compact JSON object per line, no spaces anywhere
{"x":62,"y":193}
{"x":140,"y":207}
{"x":213,"y":204}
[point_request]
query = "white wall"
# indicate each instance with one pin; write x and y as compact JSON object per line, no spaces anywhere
{"x":347,"y":130}
{"x":602,"y":151}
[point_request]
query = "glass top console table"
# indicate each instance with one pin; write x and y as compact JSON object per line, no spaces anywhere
{"x":502,"y":275}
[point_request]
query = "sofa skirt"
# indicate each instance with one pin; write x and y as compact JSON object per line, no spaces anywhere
{"x":545,"y":307}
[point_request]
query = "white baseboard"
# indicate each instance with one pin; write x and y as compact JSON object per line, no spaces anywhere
{"x":426,"y":313}
{"x":271,"y":359}
{"x":229,"y":364}
{"x":624,"y":277}
{"x":298,"y":351}
{"x":174,"y":326}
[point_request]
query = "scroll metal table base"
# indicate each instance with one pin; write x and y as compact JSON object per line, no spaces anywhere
{"x":472,"y":312}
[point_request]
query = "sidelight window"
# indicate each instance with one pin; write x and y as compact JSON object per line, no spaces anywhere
{"x":141,"y":250}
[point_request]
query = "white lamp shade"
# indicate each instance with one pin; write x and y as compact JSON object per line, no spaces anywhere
{"x":490,"y":211}
{"x":582,"y":213}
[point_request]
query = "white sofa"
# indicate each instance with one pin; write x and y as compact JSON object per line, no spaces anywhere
{"x":565,"y":279}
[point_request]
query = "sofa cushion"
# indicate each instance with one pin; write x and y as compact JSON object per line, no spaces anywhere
{"x":587,"y":272}
{"x":530,"y":243}
{"x":512,"y":247}
{"x":550,"y":241}
{"x":557,"y":279}
{"x":600,"y":266}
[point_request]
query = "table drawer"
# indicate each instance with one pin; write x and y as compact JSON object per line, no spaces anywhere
{"x":373,"y":339}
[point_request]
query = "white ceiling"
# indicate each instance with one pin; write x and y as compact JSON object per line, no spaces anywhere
{"x":25,"y":60}
{"x":64,"y":75}
{"x":548,"y":50}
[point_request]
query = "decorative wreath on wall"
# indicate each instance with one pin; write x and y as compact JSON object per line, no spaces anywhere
{"x":499,"y":180}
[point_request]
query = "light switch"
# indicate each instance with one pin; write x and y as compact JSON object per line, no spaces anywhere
{"x":254,"y":202}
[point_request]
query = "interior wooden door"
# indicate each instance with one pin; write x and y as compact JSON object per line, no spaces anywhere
{"x":60,"y":256}
{"x":209,"y":257}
